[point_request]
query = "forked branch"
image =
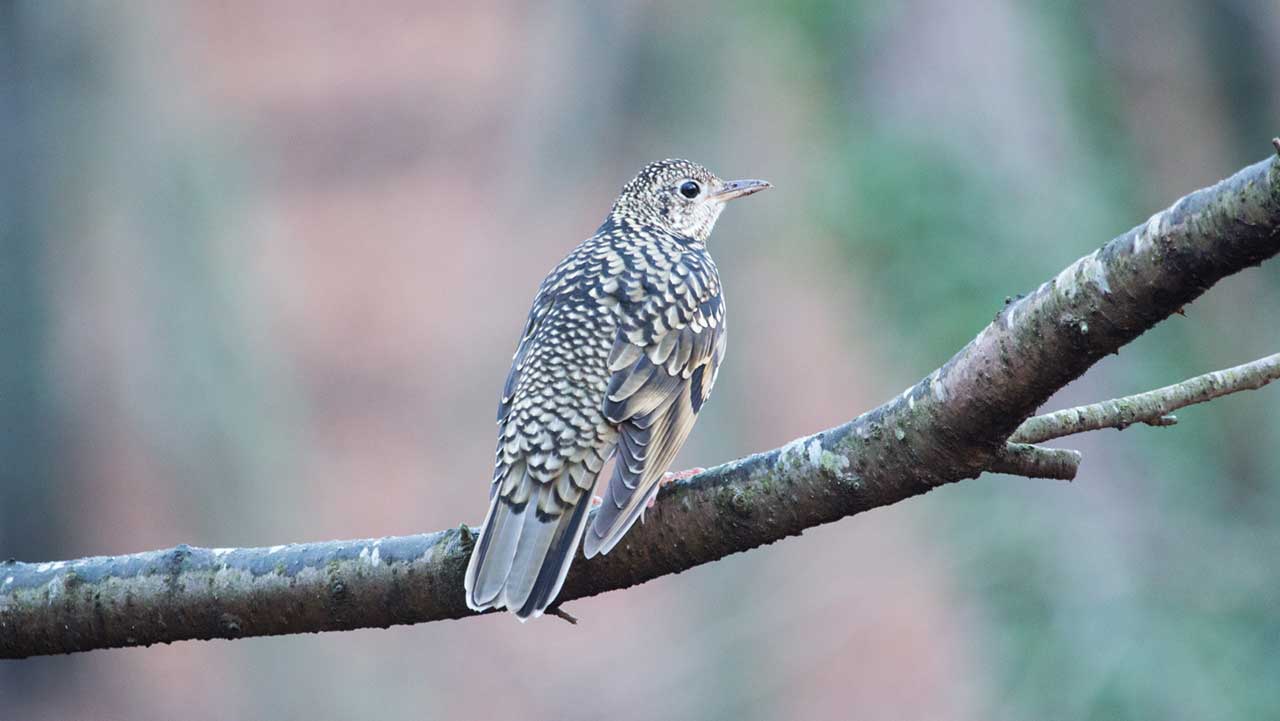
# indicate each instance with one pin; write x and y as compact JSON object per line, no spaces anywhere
{"x":954,"y":424}
{"x":1153,"y":407}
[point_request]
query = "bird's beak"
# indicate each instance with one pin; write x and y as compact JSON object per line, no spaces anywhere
{"x":738,"y":188}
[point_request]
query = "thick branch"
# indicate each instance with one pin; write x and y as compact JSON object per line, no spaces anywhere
{"x":1152,"y":407}
{"x":951,"y":425}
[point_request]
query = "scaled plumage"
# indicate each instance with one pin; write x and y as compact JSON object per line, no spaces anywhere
{"x":619,"y":354}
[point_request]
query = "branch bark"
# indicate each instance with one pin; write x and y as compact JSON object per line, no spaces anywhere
{"x":952,"y":425}
{"x":1024,"y":459}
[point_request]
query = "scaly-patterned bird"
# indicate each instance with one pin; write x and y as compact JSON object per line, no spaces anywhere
{"x":619,"y":354}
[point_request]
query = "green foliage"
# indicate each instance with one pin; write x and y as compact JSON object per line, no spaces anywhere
{"x":927,"y":230}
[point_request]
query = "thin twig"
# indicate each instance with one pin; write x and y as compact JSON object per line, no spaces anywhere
{"x":1152,"y":407}
{"x":561,"y":613}
{"x":1021,"y":458}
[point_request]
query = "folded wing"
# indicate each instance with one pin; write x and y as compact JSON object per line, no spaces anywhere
{"x":656,"y":389}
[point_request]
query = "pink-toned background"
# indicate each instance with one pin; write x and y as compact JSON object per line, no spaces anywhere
{"x":282,"y":251}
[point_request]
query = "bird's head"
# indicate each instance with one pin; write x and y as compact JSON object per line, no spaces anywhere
{"x":680,"y":197}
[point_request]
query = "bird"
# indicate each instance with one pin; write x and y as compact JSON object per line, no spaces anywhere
{"x":619,"y":353}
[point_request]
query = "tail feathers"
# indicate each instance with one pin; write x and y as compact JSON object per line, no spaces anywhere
{"x":535,"y":542}
{"x":522,"y":557}
{"x":555,"y":564}
{"x":493,"y":554}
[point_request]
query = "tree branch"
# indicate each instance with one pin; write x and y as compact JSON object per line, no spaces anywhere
{"x":1152,"y":407}
{"x":951,"y":425}
{"x":1023,"y":459}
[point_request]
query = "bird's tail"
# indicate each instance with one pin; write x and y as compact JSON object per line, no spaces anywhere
{"x":523,"y":554}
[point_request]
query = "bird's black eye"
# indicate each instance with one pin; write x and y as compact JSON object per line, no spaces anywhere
{"x":690,"y":189}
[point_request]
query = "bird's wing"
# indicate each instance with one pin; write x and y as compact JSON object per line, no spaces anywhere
{"x":657,"y":387}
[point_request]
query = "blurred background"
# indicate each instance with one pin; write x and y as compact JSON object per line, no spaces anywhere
{"x":262,"y":267}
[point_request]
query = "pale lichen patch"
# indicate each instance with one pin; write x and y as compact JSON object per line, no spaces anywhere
{"x":1089,"y":270}
{"x":1150,"y":230}
{"x":1096,"y":271}
{"x":833,"y":463}
{"x":55,"y":588}
{"x":936,"y":385}
{"x":793,"y":452}
{"x":1011,"y":315}
{"x":815,"y":453}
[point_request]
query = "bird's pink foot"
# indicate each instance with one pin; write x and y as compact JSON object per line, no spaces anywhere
{"x":596,"y":502}
{"x":672,"y":477}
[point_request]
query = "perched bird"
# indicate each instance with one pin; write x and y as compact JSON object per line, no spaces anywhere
{"x":619,"y":353}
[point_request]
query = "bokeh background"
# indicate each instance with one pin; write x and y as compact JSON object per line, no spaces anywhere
{"x":262,"y":267}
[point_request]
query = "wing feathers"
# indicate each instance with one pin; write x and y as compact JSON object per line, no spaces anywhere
{"x":639,"y":390}
{"x":623,"y":355}
{"x":654,"y":419}
{"x":667,"y":436}
{"x":625,"y":383}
